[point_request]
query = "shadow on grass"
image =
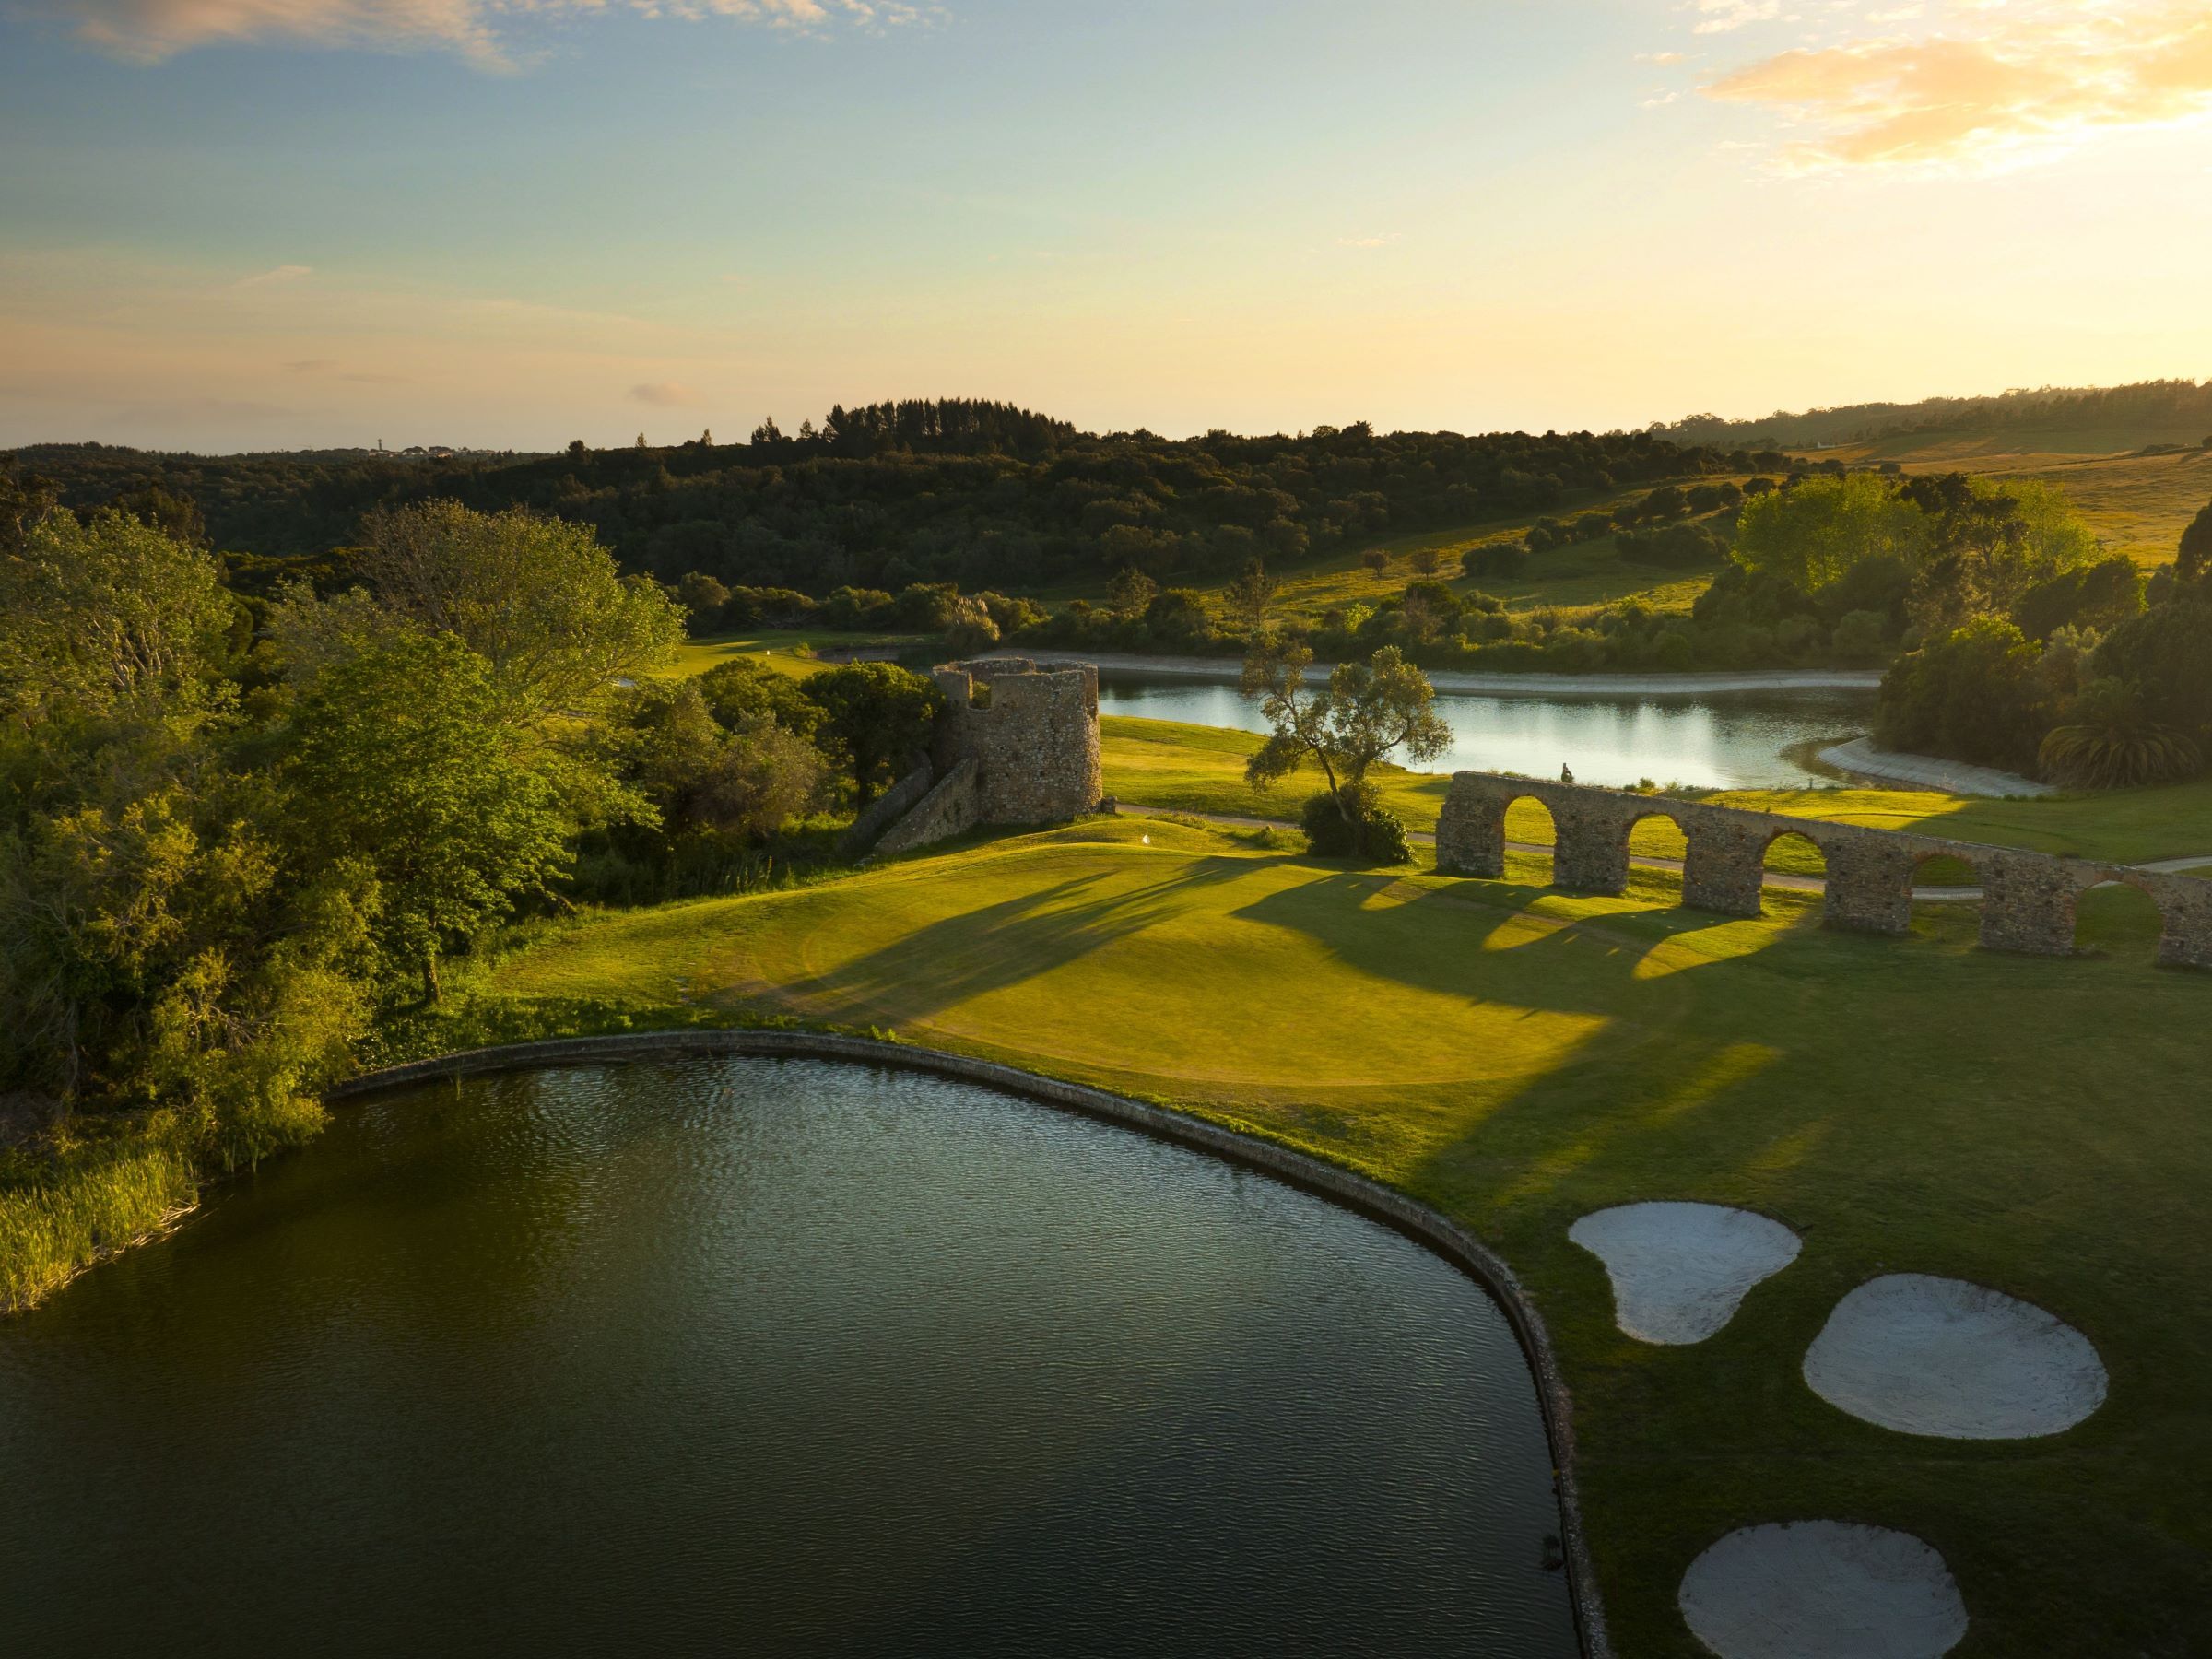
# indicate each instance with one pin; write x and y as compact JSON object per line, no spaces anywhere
{"x":947,"y":962}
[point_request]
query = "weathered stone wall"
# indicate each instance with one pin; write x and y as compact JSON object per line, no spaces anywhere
{"x":1032,"y":731}
{"x":886,"y":809}
{"x":2028,"y":898}
{"x":951,"y":807}
{"x":1023,"y":739}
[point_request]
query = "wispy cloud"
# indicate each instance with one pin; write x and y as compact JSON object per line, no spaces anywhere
{"x":148,"y":31}
{"x":283,"y":273}
{"x":1719,"y":17}
{"x":1368,"y":241}
{"x":1982,"y":85}
{"x":667,"y":395}
{"x":327,"y":366}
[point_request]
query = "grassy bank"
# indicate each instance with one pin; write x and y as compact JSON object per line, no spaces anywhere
{"x":1201,"y":768}
{"x":1517,"y":1058}
{"x":81,"y":1198}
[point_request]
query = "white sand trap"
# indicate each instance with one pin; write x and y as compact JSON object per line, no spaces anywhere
{"x":1939,"y":1355}
{"x":1679,"y":1271}
{"x":1822,"y":1590}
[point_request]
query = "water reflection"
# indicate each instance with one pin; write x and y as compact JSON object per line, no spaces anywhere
{"x":777,"y":1358}
{"x":1718,"y":740}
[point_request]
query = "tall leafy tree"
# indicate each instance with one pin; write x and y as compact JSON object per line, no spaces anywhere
{"x":1814,"y":534}
{"x":402,"y":760}
{"x":2193,"y":559}
{"x":1365,"y":711}
{"x":877,"y":721}
{"x":537,"y":598}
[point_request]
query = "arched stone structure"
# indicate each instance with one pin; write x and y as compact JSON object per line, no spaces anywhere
{"x":2028,"y":898}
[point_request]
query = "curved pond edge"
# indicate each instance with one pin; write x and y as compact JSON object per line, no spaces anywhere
{"x":1356,"y":1193}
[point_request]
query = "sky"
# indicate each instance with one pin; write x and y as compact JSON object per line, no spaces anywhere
{"x":252,"y":224}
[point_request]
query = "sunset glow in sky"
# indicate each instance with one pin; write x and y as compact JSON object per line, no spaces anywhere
{"x":274,"y":223}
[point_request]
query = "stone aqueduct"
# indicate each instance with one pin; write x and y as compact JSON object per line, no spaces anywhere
{"x":1019,"y":744}
{"x":2028,"y":898}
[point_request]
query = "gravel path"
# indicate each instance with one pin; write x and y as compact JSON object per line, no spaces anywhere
{"x":1953,"y":777}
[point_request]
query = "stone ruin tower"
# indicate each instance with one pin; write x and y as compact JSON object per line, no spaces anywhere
{"x":1017,"y":743}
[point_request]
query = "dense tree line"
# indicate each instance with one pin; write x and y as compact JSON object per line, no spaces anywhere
{"x":890,"y":495}
{"x":2025,"y":646}
{"x":237,"y":837}
{"x":2181,"y":405}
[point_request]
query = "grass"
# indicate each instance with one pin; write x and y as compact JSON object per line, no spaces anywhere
{"x":1201,"y":768}
{"x":84,"y":1197}
{"x":1517,"y":1058}
{"x":786,"y":651}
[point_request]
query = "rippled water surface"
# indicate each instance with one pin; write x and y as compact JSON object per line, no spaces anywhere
{"x":759,"y":1356}
{"x":1713,"y":740}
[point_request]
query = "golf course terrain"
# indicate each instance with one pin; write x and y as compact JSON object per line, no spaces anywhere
{"x":1518,"y":1058}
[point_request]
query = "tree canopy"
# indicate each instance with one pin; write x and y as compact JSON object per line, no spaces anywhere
{"x":1364,"y":712}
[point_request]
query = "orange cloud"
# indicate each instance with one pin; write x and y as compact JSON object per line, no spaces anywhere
{"x":1986,"y":87}
{"x":148,"y":31}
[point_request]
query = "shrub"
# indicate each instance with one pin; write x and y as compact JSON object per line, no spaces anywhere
{"x":1494,"y":558}
{"x":2166,"y":653}
{"x":2109,"y":742}
{"x":1974,"y":694}
{"x":2095,"y":595}
{"x":1354,"y":824}
{"x":1860,"y":635}
{"x":850,"y":609}
{"x":1679,"y":547}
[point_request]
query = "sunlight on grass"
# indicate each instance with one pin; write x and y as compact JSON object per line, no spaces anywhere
{"x":1518,"y":1058}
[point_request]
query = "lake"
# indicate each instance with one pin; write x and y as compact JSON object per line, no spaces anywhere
{"x":1714,"y":740}
{"x":780,"y":1357}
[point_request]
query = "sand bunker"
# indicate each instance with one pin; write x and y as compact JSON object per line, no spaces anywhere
{"x":1680,"y":1270}
{"x":1942,"y":1356}
{"x":1822,"y":1590}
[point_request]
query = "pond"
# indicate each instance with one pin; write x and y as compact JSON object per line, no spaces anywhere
{"x":1712,"y":740}
{"x":780,"y":1357}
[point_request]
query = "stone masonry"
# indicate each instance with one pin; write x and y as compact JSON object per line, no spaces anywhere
{"x":2028,"y":898}
{"x":1017,"y":743}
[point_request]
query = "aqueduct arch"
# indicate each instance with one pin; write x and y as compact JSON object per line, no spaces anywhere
{"x":2028,"y":898}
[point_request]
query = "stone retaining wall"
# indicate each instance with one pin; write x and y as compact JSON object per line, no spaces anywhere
{"x":1340,"y":1185}
{"x":949,"y":808}
{"x":2028,"y":898}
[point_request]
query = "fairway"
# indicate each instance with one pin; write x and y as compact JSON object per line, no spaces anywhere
{"x":1519,"y":1058}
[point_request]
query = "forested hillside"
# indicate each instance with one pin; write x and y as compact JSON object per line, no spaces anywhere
{"x":2177,"y":410}
{"x":978,"y":493}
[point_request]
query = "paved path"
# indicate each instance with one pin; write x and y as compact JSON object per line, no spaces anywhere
{"x":1953,"y":777}
{"x":1774,"y":878}
{"x":1227,"y":670}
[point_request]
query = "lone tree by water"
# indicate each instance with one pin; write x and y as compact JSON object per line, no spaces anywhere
{"x":1364,"y":712}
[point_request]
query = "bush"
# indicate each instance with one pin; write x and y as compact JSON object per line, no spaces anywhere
{"x":2109,"y":742}
{"x":1973,"y":694}
{"x":1366,"y":832}
{"x":1679,"y":547}
{"x":1494,"y":558}
{"x":1860,"y":635}
{"x":2096,"y":596}
{"x":2167,"y":654}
